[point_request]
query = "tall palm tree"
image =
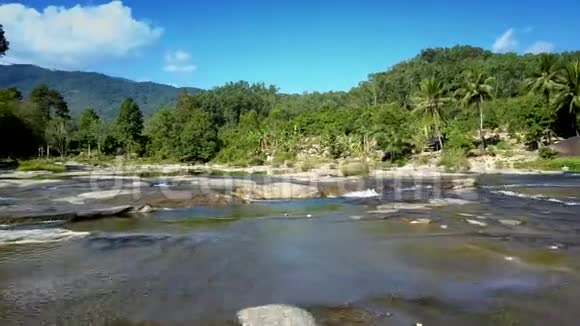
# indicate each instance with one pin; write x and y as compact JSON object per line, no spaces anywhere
{"x":429,"y":102}
{"x":544,"y":80}
{"x":568,"y":91}
{"x":476,"y":89}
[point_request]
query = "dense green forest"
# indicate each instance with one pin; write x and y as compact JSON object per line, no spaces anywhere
{"x":444,"y":98}
{"x":89,"y":89}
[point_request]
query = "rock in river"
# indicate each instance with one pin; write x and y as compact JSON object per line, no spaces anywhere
{"x":276,"y":190}
{"x":275,"y":315}
{"x":510,"y":222}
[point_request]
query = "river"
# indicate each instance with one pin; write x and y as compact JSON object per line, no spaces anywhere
{"x":331,"y":256}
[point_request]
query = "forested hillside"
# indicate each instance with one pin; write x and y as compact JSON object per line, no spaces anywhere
{"x":448,"y":99}
{"x":86,"y":89}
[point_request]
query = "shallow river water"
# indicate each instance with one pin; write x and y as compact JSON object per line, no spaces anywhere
{"x":330,"y":256}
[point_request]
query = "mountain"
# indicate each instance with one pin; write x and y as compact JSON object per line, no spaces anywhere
{"x":88,"y":89}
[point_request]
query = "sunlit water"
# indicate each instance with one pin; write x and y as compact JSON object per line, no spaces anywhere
{"x":200,"y":265}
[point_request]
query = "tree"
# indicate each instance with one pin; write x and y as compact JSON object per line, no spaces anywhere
{"x":10,"y":94}
{"x":429,"y":104}
{"x":163,"y":133}
{"x":4,"y":44}
{"x":198,"y":139}
{"x":568,"y":92}
{"x":129,"y":125}
{"x":50,"y":102}
{"x":476,"y":89}
{"x":58,"y":134}
{"x":88,"y":129}
{"x":544,"y":80}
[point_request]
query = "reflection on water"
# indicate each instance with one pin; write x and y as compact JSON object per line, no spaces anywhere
{"x":200,"y":265}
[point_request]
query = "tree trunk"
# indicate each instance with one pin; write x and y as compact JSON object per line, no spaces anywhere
{"x":481,"y":137}
{"x":89,"y":149}
{"x":438,"y":133}
{"x":548,"y":110}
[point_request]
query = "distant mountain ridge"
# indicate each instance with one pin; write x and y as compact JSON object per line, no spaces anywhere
{"x":89,"y":89}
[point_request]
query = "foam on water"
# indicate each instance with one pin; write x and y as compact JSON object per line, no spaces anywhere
{"x":362,"y":194}
{"x":8,"y":237}
{"x":536,"y":197}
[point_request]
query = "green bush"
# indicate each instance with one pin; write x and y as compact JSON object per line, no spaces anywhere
{"x":547,"y":153}
{"x":41,"y":165}
{"x":454,"y":160}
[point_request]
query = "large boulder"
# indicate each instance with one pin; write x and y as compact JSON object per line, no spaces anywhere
{"x":275,"y":315}
{"x":276,"y":190}
{"x":568,"y":147}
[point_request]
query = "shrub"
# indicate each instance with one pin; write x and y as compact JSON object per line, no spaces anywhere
{"x":547,"y":153}
{"x":454,"y":160}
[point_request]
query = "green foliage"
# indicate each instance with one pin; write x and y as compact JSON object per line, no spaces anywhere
{"x":454,"y":160}
{"x":568,"y":94}
{"x":41,"y":165}
{"x":198,"y":139}
{"x":547,"y":153}
{"x":458,"y":138}
{"x":49,"y":101}
{"x":430,"y":101}
{"x":242,"y":144}
{"x":556,"y":164}
{"x":163,"y":134}
{"x":88,"y":132}
{"x":475,"y":90}
{"x":4,"y":44}
{"x":58,"y":134}
{"x":129,"y":125}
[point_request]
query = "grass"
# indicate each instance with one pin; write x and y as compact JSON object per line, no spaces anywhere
{"x":41,"y":165}
{"x":556,"y":164}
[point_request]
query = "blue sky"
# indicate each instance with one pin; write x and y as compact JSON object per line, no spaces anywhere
{"x":296,"y":45}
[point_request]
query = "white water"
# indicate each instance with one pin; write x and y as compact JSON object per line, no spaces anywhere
{"x":38,"y":236}
{"x":536,"y":197}
{"x":362,"y":194}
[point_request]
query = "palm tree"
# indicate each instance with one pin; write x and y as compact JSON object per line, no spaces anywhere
{"x":568,"y":91}
{"x":429,"y":103}
{"x":476,"y":89}
{"x":544,"y":80}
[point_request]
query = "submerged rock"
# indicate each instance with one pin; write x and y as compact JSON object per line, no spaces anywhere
{"x":462,"y":184}
{"x":146,"y":209}
{"x":474,"y":222}
{"x":101,"y":212}
{"x":510,"y":222}
{"x":421,"y":221}
{"x":276,"y":190}
{"x":275,"y":315}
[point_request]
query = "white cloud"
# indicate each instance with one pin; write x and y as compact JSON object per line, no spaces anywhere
{"x":75,"y":37}
{"x":178,"y":61}
{"x":528,"y":29}
{"x":541,"y":47}
{"x":507,"y":42}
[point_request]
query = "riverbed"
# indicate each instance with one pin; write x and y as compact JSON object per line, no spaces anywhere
{"x":386,"y":252}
